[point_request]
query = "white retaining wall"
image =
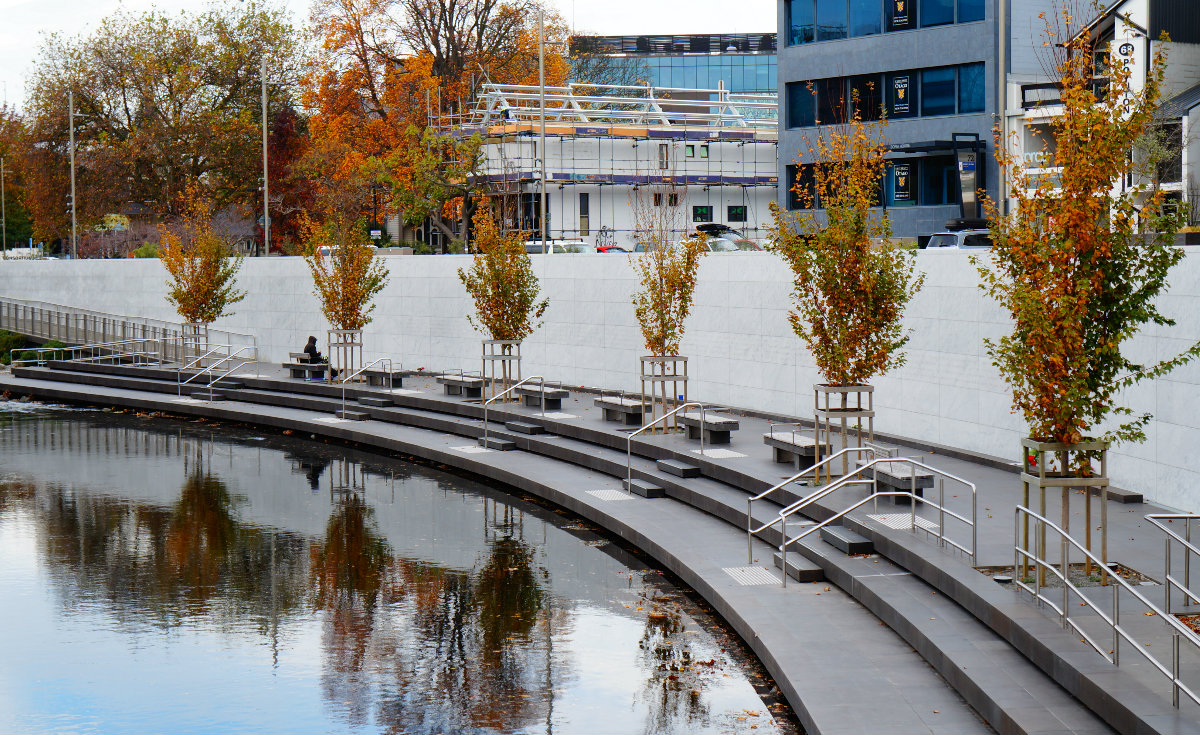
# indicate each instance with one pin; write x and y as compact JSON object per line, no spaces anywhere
{"x":742,"y":350}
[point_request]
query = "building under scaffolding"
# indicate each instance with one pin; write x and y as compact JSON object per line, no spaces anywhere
{"x":706,"y":156}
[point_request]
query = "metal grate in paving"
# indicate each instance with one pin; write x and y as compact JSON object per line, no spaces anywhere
{"x":405,"y":391}
{"x":610,"y":495}
{"x":903,"y":521}
{"x":719,"y":453}
{"x":752,"y":576}
{"x":186,"y":400}
{"x":332,"y":420}
{"x":471,"y":449}
{"x":560,"y":415}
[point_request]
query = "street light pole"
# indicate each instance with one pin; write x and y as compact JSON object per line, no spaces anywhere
{"x":266,"y":179}
{"x":542,"y":121}
{"x":71,"y":128}
{"x":3,"y":213}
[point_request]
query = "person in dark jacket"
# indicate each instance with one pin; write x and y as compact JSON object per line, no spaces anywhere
{"x":314,"y":355}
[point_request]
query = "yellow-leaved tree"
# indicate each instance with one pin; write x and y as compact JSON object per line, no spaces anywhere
{"x":202,"y":265}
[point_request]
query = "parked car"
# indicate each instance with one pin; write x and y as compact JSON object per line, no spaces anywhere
{"x":610,"y":249}
{"x":960,"y":239}
{"x":534,"y":247}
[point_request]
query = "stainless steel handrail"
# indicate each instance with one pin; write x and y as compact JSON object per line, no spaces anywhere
{"x":111,"y":347}
{"x":750,"y":531}
{"x":361,"y":370}
{"x":224,"y":375}
{"x":1169,"y":580}
{"x":179,"y":383}
{"x":1179,"y":631}
{"x":913,"y":498}
{"x":665,"y":416}
{"x":541,"y":382}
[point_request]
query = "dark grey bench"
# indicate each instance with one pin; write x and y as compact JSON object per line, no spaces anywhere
{"x":792,"y":446}
{"x":383,"y":378}
{"x":716,"y":429}
{"x":298,"y":356}
{"x":626,"y":410}
{"x":462,"y":385}
{"x":535,"y":394}
{"x":307,"y":370}
{"x":899,"y":475}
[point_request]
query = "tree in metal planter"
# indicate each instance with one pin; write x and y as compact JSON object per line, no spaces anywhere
{"x":202,"y":267}
{"x":851,"y":283}
{"x":1078,"y":267}
{"x":667,"y":272}
{"x":505,"y":290}
{"x":346,"y":280}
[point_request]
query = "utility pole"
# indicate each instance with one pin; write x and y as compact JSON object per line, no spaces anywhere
{"x":542,"y":121}
{"x":266,"y":179}
{"x":3,"y":214}
{"x":71,"y":128}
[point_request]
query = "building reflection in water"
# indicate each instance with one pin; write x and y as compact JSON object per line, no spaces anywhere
{"x":407,"y":643}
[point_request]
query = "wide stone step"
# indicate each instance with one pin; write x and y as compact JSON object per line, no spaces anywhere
{"x":353,"y":415}
{"x":376,"y":402}
{"x":677,"y":468}
{"x":229,"y":384}
{"x":645,"y":488}
{"x":204,"y":395}
{"x":498,"y":444}
{"x":799,"y":568}
{"x":523,"y":427}
{"x":846,"y":541}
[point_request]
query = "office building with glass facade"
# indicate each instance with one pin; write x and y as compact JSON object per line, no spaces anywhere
{"x":744,"y":63}
{"x":929,"y":66}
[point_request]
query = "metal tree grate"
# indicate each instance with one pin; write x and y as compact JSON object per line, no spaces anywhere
{"x":609,"y":495}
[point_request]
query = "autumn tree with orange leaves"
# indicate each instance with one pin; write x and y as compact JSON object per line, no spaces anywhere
{"x":851,"y":282}
{"x":200,"y":261}
{"x":1080,"y":263}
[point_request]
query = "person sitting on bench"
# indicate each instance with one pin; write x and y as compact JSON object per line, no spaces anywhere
{"x":314,"y":356}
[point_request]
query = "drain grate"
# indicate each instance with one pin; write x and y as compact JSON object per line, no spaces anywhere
{"x":333,"y":420}
{"x":903,"y":521}
{"x":752,"y":576}
{"x":560,"y":415}
{"x":404,"y":391}
{"x":609,"y":495}
{"x":719,"y":453}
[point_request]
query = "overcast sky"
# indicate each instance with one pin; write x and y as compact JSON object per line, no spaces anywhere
{"x":24,"y":22}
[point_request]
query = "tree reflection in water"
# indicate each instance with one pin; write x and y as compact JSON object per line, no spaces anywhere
{"x":674,"y":691}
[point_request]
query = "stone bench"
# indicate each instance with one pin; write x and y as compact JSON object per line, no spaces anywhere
{"x":462,"y":385}
{"x":307,"y":370}
{"x":534,"y":395}
{"x":383,"y":378}
{"x":298,"y":356}
{"x":899,"y":475}
{"x":716,"y":429}
{"x":792,"y":446}
{"x":625,"y":410}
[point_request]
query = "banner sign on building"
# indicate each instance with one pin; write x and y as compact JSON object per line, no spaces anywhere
{"x":902,"y":182}
{"x":901,"y":15}
{"x":901,"y":95}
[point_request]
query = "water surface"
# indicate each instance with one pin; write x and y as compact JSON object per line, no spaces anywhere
{"x":167,"y":575}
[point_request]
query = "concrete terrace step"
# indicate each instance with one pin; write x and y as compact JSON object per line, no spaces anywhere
{"x":677,"y":468}
{"x":982,"y":687}
{"x":498,"y":444}
{"x":523,"y":427}
{"x":352,"y":415}
{"x":375,"y":402}
{"x":799,"y":568}
{"x":644,"y":488}
{"x":206,"y":395}
{"x":845,"y":540}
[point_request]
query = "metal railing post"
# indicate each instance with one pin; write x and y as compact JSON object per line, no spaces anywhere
{"x":629,"y":439}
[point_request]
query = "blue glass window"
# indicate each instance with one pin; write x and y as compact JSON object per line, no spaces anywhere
{"x":801,"y":106}
{"x":971,"y":87}
{"x":831,"y":101}
{"x":831,"y":20}
{"x":865,"y":17}
{"x":937,"y":12}
{"x":937,"y":91}
{"x":800,"y":21}
{"x":969,"y":10}
{"x":800,"y":179}
{"x":939,"y":181}
{"x":867,"y":93}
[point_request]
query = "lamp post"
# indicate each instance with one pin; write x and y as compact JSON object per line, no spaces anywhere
{"x":266,"y":178}
{"x":71,"y":129}
{"x":3,"y":212}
